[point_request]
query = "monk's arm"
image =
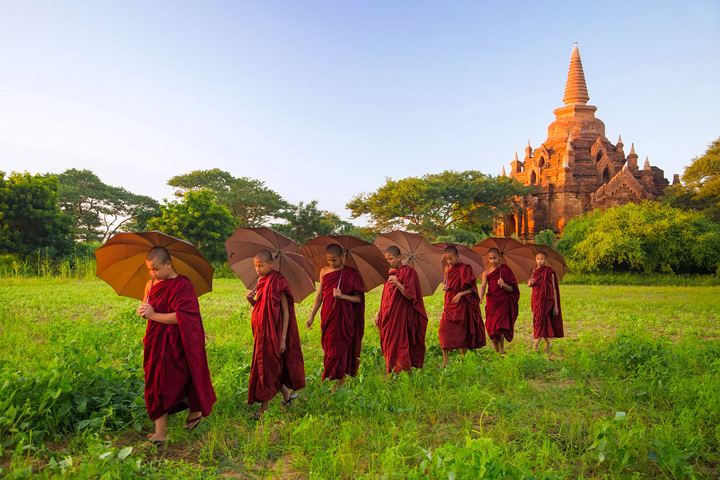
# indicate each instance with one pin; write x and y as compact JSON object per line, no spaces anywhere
{"x":483,"y":286}
{"x":552,"y":279}
{"x":400,"y":287}
{"x":285,"y":321}
{"x":166,"y":318}
{"x":507,"y":288}
{"x":354,"y":297}
{"x":316,"y":305}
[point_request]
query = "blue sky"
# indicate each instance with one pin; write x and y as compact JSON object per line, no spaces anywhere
{"x":323,"y":100}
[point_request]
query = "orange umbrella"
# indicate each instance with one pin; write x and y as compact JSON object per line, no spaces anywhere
{"x":419,"y":254}
{"x":465,"y":254}
{"x":288,"y":259}
{"x":555,"y":260}
{"x":121,"y":262}
{"x":518,"y":256}
{"x":364,"y":257}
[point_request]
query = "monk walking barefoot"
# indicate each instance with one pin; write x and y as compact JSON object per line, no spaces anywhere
{"x":277,"y":364}
{"x":402,"y":320}
{"x":175,"y":362}
{"x":461,"y":325}
{"x":501,"y":304}
{"x":545,"y":303}
{"x":342,"y":318}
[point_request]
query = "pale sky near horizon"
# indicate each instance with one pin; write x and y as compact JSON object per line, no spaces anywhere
{"x":324,"y":99}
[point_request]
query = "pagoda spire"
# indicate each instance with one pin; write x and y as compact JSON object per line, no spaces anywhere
{"x":503,"y":172}
{"x":575,"y":89}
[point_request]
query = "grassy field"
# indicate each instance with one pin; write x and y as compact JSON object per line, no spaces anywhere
{"x":632,"y":392}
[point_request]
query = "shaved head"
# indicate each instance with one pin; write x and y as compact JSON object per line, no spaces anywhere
{"x":334,"y":249}
{"x":451,"y":249}
{"x":393,"y":250}
{"x":495,"y":251}
{"x":159,"y":254}
{"x":264,"y":256}
{"x":541,"y":253}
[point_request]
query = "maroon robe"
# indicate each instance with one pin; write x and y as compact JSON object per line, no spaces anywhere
{"x":501,"y":306}
{"x":461,"y":324}
{"x":342,"y":324}
{"x":544,"y":289}
{"x":175,"y":362}
{"x":271,"y":369}
{"x":402,"y":322}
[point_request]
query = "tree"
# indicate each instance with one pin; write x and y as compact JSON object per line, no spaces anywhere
{"x":200,"y":221}
{"x":303,"y":222}
{"x":30,"y":219}
{"x":434,"y":203}
{"x":249,"y":200}
{"x":647,"y":237}
{"x":545,"y":237}
{"x":100,"y":210}
{"x":700,"y":187}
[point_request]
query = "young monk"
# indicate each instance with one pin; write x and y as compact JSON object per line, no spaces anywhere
{"x":402,"y":320}
{"x":176,"y":369}
{"x":277,"y":363}
{"x":501,"y":307}
{"x":342,"y":318}
{"x":545,"y":303}
{"x":461,"y":324}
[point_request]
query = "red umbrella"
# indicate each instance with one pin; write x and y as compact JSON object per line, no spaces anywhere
{"x":555,"y":260}
{"x":419,"y":254}
{"x":121,"y":262}
{"x":518,"y":256}
{"x":466,"y":256}
{"x":288,"y":259}
{"x":365,"y":257}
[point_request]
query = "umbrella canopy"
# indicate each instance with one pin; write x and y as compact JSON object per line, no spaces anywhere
{"x":365,"y":257}
{"x":466,"y":255}
{"x":555,"y":260}
{"x":419,"y":254}
{"x":518,"y":256}
{"x":121,"y":262}
{"x":288,"y":259}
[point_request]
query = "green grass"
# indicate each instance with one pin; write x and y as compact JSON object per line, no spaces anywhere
{"x":632,"y":392}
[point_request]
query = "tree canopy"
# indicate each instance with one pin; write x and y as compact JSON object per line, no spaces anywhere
{"x":99,"y":210}
{"x":249,"y":201}
{"x":700,"y":187}
{"x":200,"y":221}
{"x":30,"y":219}
{"x":647,"y":237}
{"x":305,"y":221}
{"x":433,"y":204}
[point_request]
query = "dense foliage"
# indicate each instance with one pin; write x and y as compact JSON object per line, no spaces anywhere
{"x":30,"y":219}
{"x":248,"y":200}
{"x":305,"y":221}
{"x":435,"y":203}
{"x":200,"y":221}
{"x":700,"y":187}
{"x":646,"y":237}
{"x":99,"y":210}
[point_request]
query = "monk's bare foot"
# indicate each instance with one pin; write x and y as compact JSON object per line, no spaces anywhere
{"x":155,"y":439}
{"x":257,"y":415}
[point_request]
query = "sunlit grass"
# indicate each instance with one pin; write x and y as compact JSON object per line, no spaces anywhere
{"x":651,"y":353}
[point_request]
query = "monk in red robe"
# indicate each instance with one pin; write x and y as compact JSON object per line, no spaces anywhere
{"x":175,"y":363}
{"x":545,"y":303}
{"x":501,"y":307}
{"x":277,"y":364}
{"x":342,"y":318}
{"x":402,"y":320}
{"x":461,"y":324}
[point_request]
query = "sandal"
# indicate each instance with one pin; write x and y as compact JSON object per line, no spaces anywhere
{"x":290,"y":400}
{"x":192,"y":423}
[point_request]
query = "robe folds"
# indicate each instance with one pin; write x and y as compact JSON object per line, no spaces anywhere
{"x":461,"y":324}
{"x":545,"y":324}
{"x":402,"y":322}
{"x":501,"y":307}
{"x":175,"y":361}
{"x":271,"y":369}
{"x":342,"y":324}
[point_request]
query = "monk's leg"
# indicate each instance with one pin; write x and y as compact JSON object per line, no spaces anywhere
{"x":338,"y":383}
{"x":160,"y":434}
{"x":501,"y":345}
{"x":446,"y":358}
{"x":495,"y":343}
{"x":547,"y":344}
{"x":463,"y":351}
{"x":536,"y":343}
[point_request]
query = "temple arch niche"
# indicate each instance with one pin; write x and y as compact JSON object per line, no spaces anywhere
{"x":606,"y":175}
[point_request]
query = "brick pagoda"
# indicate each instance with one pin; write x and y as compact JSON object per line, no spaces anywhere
{"x":577,"y":168}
